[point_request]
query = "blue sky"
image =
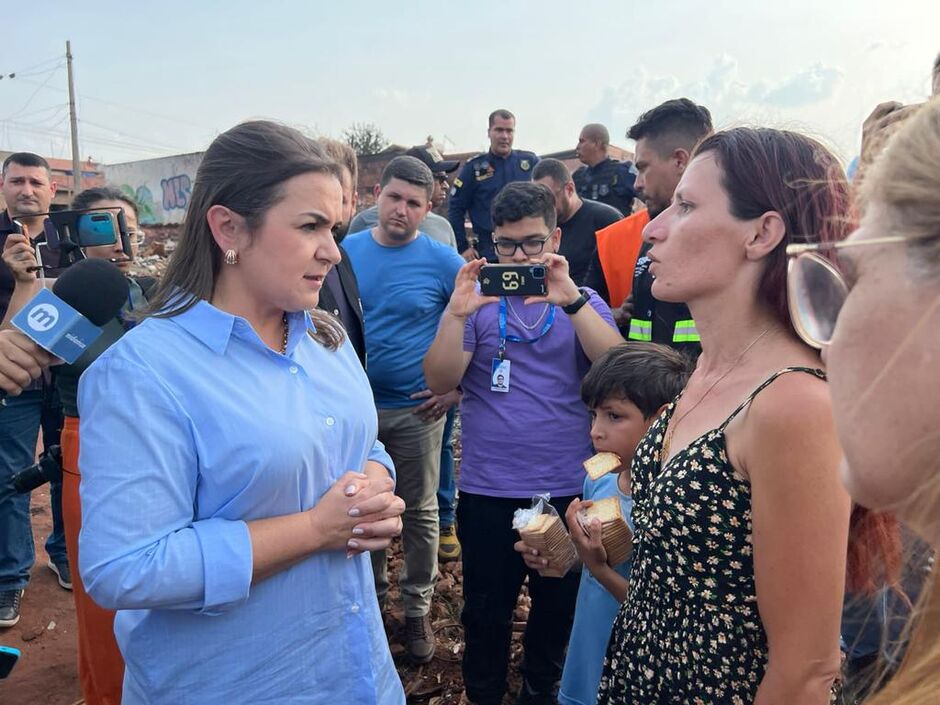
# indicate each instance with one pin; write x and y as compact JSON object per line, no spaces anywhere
{"x":165,"y":77}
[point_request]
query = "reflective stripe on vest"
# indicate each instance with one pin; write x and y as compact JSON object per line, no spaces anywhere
{"x":640,"y":330}
{"x":685,"y":332}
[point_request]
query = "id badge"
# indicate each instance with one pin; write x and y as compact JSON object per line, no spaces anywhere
{"x":499,"y":376}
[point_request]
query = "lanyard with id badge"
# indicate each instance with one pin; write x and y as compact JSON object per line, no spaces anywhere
{"x":501,"y":367}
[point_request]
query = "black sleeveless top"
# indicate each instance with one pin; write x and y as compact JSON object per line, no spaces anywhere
{"x":689,"y":630}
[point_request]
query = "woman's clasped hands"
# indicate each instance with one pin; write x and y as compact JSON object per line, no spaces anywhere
{"x":359,"y":513}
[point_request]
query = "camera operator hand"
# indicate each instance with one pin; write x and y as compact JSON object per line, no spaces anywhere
{"x":19,"y":256}
{"x":561,"y":288}
{"x":595,"y":334}
{"x":21,"y":361}
{"x":466,"y":297}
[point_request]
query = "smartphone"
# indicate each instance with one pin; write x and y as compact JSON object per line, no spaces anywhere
{"x":8,"y":658}
{"x":513,"y":280}
{"x":97,"y":228}
{"x":74,"y":229}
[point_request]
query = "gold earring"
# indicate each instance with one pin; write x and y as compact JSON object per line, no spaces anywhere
{"x":231,"y":257}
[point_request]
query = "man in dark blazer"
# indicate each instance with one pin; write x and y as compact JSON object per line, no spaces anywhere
{"x":340,"y":293}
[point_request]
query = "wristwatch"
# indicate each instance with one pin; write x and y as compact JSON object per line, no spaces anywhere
{"x":576,"y":305}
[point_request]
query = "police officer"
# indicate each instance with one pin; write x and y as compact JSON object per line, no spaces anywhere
{"x":602,"y":178}
{"x":481,"y":179}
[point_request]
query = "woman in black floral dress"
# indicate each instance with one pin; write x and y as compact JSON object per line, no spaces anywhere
{"x":741,"y":521}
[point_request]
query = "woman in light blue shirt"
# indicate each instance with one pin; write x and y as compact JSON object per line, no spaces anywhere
{"x":231,"y":477}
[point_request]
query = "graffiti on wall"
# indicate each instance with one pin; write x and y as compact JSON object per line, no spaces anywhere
{"x":162,"y":188}
{"x":176,"y":191}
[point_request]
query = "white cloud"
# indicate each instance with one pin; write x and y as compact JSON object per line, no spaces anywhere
{"x":812,"y":85}
{"x":395,"y":96}
{"x":721,"y":89}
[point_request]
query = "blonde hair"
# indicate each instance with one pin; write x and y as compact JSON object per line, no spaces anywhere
{"x":904,"y":182}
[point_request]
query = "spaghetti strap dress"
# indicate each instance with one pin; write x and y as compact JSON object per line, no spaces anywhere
{"x":689,"y":631}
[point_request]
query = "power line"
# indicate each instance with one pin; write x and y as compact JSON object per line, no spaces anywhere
{"x":23,"y":72}
{"x":52,"y":72}
{"x":39,"y":111}
{"x":129,"y":108}
{"x":129,"y":136}
{"x":29,"y":129}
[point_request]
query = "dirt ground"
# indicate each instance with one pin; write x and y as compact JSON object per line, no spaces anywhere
{"x":46,"y":673}
{"x":45,"y":635}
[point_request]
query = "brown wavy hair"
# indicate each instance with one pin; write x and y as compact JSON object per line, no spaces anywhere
{"x":244,"y":170}
{"x":763,"y":170}
{"x":796,"y":176}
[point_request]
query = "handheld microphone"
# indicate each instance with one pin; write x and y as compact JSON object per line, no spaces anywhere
{"x":66,"y":320}
{"x":94,"y":288}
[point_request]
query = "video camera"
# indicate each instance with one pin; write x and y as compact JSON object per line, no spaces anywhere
{"x":70,"y":231}
{"x":47,"y":469}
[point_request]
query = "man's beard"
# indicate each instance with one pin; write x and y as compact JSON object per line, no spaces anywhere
{"x":33,"y":209}
{"x":654,"y":209}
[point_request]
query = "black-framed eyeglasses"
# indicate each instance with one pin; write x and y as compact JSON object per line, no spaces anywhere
{"x":816,"y":289}
{"x":442,"y":178}
{"x":507,"y":248}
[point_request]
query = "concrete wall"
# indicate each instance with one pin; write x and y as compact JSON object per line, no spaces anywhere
{"x":161,"y":187}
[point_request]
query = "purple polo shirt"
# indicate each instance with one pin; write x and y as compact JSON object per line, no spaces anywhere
{"x":534,"y":438}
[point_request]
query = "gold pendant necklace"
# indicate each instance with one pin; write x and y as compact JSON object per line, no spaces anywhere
{"x":674,"y":423}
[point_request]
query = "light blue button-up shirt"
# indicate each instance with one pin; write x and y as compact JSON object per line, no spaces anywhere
{"x":190,"y":427}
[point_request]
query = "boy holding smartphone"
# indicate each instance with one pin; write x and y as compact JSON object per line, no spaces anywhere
{"x":519,"y":361}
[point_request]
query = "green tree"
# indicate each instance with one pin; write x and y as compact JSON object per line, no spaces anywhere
{"x":365,"y":138}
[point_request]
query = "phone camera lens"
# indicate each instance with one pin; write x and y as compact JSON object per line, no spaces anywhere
{"x":538,"y":272}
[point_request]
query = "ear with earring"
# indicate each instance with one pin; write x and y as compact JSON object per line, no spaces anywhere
{"x":231,"y":257}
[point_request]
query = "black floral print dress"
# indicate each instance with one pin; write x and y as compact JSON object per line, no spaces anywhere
{"x":689,"y":631}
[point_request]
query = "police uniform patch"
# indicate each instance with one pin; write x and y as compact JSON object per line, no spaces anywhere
{"x":484,"y":172}
{"x":457,"y":183}
{"x":524,"y":165}
{"x":604,"y":190}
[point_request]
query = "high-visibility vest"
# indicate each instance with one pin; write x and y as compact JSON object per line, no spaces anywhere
{"x":618,"y":246}
{"x":640,"y":330}
{"x":685,"y":332}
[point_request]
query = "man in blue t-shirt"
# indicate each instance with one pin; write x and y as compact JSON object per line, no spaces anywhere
{"x":405,"y":281}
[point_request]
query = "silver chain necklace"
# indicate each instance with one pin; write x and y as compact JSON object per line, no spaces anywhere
{"x":522,"y":323}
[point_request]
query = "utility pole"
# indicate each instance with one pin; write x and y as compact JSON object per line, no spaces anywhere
{"x":73,"y":121}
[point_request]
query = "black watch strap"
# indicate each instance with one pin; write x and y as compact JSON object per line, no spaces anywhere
{"x":576,"y":305}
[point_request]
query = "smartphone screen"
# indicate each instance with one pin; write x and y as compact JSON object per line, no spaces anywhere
{"x":98,"y":228}
{"x":512,"y":280}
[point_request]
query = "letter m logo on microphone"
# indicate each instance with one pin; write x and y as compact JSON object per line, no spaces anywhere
{"x":55,"y":326}
{"x":42,"y":317}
